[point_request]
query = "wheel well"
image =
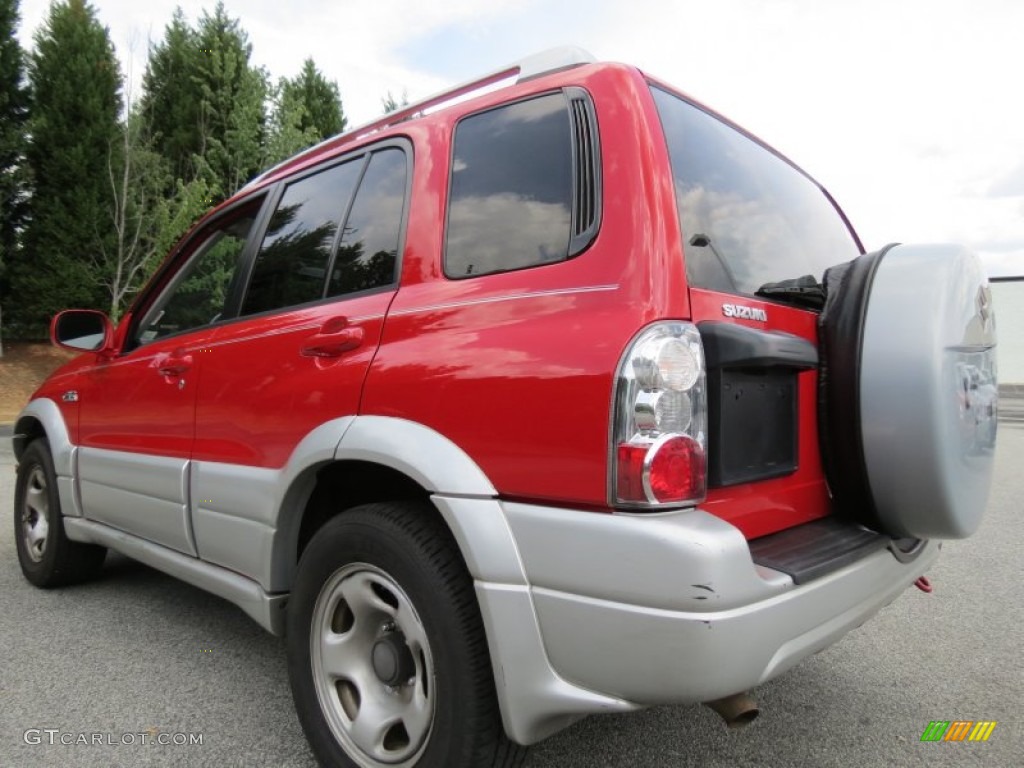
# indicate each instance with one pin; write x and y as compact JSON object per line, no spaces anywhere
{"x":346,"y":484}
{"x":26,"y":430}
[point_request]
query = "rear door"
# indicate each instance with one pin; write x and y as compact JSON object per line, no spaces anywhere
{"x":311,"y":317}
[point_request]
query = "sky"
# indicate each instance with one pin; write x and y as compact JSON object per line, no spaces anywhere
{"x":908,"y":111}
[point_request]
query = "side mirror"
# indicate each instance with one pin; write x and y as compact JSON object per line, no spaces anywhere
{"x":82,"y":330}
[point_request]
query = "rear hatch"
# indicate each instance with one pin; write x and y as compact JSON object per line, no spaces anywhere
{"x":757,"y":236}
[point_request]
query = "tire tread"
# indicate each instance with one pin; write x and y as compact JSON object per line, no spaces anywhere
{"x":420,"y":527}
{"x":72,"y":562}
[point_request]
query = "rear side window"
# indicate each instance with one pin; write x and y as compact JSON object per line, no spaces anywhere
{"x":307,"y":252}
{"x":511,"y":196}
{"x":291,"y":267}
{"x":369,"y":246}
{"x":747,"y":216}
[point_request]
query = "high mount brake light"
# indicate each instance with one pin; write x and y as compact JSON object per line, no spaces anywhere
{"x":659,"y":429}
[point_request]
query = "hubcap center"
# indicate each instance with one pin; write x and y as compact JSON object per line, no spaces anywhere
{"x":392,"y":660}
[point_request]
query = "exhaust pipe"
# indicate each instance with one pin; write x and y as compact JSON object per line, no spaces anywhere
{"x":737,"y":710}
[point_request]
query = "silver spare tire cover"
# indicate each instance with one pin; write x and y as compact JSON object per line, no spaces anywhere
{"x":907,"y":390}
{"x":928,"y":393}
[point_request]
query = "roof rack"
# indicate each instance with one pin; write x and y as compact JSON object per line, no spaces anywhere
{"x":545,"y":62}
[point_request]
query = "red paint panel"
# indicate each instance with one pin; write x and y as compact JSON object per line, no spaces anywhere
{"x":129,"y":404}
{"x":261,"y":393}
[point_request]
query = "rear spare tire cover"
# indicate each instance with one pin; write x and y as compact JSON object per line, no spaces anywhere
{"x":908,"y":390}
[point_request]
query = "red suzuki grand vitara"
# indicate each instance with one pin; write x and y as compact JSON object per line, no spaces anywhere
{"x":555,"y":394}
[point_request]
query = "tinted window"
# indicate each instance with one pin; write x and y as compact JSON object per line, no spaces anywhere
{"x":748,"y":217}
{"x":369,"y":247}
{"x":511,"y":190}
{"x":291,"y":267}
{"x":199,"y":293}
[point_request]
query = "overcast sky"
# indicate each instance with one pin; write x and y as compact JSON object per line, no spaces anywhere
{"x":909,"y":111}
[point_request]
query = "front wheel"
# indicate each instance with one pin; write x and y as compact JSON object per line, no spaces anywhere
{"x":386,"y":649}
{"x":46,"y":555}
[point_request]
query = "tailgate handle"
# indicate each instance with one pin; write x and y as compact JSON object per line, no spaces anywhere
{"x":727,"y":345}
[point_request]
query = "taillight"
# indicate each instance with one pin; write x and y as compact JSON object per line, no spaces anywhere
{"x":659,"y":440}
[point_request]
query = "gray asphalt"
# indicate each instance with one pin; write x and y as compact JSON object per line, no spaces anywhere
{"x":137,"y":652}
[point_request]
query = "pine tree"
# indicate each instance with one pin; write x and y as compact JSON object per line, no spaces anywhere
{"x":289,"y":126}
{"x":13,"y":112}
{"x":390,"y":104}
{"x":321,"y":100}
{"x":233,"y":95}
{"x":75,"y":84}
{"x":205,"y":103}
{"x":306,"y":110}
{"x":170,"y":99}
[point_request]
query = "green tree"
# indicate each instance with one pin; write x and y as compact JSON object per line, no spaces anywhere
{"x":75,"y":84}
{"x":13,"y":113}
{"x":390,"y":104}
{"x":150,"y":212}
{"x":306,"y":110}
{"x":289,"y":130}
{"x":205,"y":103}
{"x":323,"y":113}
{"x":170,"y":98}
{"x":233,"y":95}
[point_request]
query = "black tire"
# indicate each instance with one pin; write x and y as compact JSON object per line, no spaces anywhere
{"x":387,"y":580}
{"x":47,"y":557}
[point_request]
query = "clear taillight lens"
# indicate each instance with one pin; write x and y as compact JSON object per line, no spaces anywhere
{"x":659,"y":432}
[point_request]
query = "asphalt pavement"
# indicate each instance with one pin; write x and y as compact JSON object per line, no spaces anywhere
{"x":137,"y":656}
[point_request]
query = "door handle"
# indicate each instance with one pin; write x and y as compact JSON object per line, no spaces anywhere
{"x":335,"y":339}
{"x":175,"y":365}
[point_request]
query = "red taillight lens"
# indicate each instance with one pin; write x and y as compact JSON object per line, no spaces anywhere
{"x":666,"y":471}
{"x":677,"y":470}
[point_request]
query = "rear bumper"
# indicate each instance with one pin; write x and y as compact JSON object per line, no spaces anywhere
{"x":653,"y":656}
{"x":615,"y":612}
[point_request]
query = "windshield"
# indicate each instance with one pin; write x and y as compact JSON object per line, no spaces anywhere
{"x":748,"y":217}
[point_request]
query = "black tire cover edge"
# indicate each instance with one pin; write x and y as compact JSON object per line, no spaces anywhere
{"x":840,"y":341}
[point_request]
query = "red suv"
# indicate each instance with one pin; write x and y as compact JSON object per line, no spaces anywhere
{"x":553,"y":395}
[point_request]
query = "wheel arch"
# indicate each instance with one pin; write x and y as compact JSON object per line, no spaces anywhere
{"x":376,"y":458}
{"x":42,"y":418}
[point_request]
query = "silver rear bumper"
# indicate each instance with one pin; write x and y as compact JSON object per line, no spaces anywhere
{"x":588,"y":612}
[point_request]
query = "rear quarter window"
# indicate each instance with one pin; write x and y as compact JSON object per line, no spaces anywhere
{"x":511,"y":188}
{"x":747,"y":216}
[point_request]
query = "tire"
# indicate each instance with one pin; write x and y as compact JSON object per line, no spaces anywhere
{"x":387,"y":656}
{"x":908,"y":398}
{"x":47,"y":557}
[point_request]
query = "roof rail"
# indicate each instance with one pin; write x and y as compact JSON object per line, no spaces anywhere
{"x":545,"y":62}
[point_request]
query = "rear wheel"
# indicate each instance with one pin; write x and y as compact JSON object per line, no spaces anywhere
{"x":47,"y":557}
{"x":387,"y":655}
